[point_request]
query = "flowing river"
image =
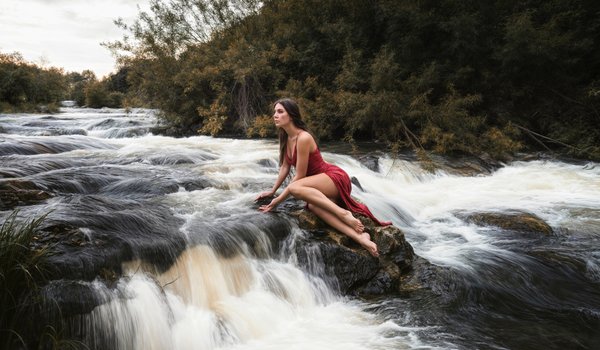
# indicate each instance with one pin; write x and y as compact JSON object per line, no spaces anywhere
{"x":227,"y":287}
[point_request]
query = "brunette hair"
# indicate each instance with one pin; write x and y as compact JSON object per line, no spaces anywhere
{"x":292,"y":109}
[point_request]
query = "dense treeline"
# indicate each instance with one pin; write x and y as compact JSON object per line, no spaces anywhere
{"x":493,"y":76}
{"x":444,"y":75}
{"x":24,"y":86}
{"x":87,"y":90}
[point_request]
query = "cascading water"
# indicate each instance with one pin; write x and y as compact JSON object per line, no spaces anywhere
{"x":201,"y":269}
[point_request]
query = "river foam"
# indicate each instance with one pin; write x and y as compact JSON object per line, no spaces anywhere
{"x":230,"y":288}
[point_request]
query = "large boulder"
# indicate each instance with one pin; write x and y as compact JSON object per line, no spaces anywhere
{"x":350,"y":265}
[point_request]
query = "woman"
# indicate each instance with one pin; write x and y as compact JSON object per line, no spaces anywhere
{"x":320,"y":184}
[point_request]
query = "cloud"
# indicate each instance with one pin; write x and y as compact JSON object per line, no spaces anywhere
{"x":66,"y":33}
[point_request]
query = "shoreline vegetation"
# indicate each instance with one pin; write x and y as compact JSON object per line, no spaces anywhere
{"x":449,"y":77}
{"x":23,"y":270}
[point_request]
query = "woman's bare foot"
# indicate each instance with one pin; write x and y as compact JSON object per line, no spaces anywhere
{"x":368,"y":244}
{"x":353,"y":222}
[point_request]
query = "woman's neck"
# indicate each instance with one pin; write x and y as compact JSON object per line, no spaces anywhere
{"x":293,"y":133}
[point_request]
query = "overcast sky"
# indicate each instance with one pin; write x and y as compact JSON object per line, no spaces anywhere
{"x":65,"y":33}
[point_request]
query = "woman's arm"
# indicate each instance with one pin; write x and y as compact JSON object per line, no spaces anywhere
{"x":303,"y":149}
{"x":284,"y":171}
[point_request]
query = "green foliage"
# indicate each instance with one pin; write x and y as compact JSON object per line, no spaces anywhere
{"x":24,"y":85}
{"x":449,"y":76}
{"x":96,"y":95}
{"x":214,"y":118}
{"x":449,"y":125}
{"x":500,"y":143}
{"x":262,"y":127}
{"x":352,"y":76}
{"x":88,"y":91}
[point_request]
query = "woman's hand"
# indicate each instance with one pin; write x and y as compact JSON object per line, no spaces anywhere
{"x":264,"y":194}
{"x":268,"y":207}
{"x":274,"y":203}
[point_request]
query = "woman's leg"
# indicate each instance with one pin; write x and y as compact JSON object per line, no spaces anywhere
{"x":364,"y":239}
{"x":318,"y":191}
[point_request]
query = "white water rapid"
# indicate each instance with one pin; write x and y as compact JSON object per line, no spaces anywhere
{"x":255,"y":298}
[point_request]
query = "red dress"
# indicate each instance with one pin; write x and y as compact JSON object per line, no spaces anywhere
{"x":316,"y":165}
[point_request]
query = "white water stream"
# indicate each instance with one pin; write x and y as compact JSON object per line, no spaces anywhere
{"x":245,"y":302}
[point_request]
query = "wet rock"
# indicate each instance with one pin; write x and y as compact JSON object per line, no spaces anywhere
{"x":17,"y":184}
{"x":267,"y":163}
{"x":10,"y":199}
{"x":171,"y":160}
{"x":466,"y":165}
{"x":354,"y":269}
{"x":67,"y":298}
{"x":172,"y":131}
{"x":371,"y":161}
{"x":513,"y":221}
{"x":195,"y":184}
{"x":397,"y":270}
{"x":77,"y":257}
{"x":461,"y":165}
{"x":560,"y":260}
{"x":356,"y":183}
{"x":423,"y":275}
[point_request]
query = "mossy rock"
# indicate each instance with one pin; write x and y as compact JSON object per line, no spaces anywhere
{"x":513,"y":221}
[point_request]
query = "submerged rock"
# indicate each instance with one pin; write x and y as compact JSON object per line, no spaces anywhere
{"x":14,"y":193}
{"x":463,"y":165}
{"x":12,"y":199}
{"x":466,"y":165}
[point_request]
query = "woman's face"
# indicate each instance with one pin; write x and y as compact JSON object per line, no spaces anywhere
{"x":281,"y":116}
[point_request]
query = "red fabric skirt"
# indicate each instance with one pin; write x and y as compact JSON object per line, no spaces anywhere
{"x":344,"y":185}
{"x":316,"y":165}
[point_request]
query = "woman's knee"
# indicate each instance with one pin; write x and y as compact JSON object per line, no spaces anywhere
{"x":295,"y":190}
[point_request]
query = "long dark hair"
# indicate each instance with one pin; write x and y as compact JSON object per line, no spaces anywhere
{"x":292,"y":109}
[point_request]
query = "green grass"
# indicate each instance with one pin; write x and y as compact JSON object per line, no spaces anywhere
{"x":22,"y":270}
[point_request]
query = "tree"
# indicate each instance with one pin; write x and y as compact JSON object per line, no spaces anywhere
{"x":449,"y":75}
{"x":25,"y":85}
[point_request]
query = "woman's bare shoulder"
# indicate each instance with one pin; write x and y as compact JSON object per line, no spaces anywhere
{"x":307,"y":140}
{"x":305,"y":136}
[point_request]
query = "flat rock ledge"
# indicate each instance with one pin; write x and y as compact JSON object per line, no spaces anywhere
{"x":516,"y":221}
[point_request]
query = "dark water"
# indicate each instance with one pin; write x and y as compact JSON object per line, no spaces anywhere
{"x":175,"y":217}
